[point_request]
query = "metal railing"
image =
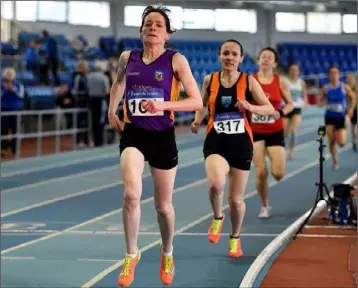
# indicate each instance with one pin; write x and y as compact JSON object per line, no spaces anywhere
{"x":37,"y":117}
{"x":38,"y":125}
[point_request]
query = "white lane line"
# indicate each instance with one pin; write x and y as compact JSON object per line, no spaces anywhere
{"x":115,"y":266}
{"x":58,"y":165}
{"x":104,"y":156}
{"x":183,"y":188}
{"x":81,"y":160}
{"x":93,"y":220}
{"x":283,"y":238}
{"x":87,"y":191}
{"x":111,"y":185}
{"x":76,"y":175}
{"x":116,"y":233}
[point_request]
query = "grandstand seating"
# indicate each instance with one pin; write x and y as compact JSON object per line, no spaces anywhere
{"x":317,"y":58}
{"x":202,"y":57}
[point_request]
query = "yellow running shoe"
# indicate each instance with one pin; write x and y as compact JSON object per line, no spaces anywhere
{"x":167,"y":268}
{"x":215,"y":230}
{"x":126,"y":277}
{"x":235,"y":248}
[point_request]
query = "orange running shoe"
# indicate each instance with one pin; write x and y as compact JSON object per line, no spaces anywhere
{"x":235,"y":248}
{"x":126,"y":277}
{"x":215,"y":230}
{"x":167,"y":268}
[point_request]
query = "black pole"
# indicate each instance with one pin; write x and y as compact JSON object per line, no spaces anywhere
{"x":321,"y":185}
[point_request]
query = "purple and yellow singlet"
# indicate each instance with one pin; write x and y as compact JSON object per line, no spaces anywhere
{"x":155,"y":81}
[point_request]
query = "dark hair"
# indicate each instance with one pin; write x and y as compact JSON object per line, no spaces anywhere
{"x":162,"y":10}
{"x":293,"y":64}
{"x":233,"y":41}
{"x":333,"y":66}
{"x":269,"y":49}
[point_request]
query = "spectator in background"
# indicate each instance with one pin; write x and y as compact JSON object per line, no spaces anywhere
{"x":12,"y":96}
{"x":78,"y":46}
{"x":98,"y":90}
{"x":32,"y":58}
{"x":52,"y":55}
{"x":112,"y":69}
{"x":111,"y":74}
{"x":64,"y":100}
{"x":44,"y":79}
{"x":80,"y":96}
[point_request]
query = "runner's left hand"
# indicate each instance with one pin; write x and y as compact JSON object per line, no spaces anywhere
{"x":153,"y":106}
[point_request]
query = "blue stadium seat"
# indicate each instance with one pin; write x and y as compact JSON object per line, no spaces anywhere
{"x":27,"y":78}
{"x":321,"y":55}
{"x":8,"y":48}
{"x":41,"y":97}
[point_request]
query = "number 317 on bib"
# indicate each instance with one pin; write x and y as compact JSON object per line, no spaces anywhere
{"x":234,"y":126}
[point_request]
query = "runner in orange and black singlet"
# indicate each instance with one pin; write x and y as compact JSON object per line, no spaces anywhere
{"x":228,"y":147}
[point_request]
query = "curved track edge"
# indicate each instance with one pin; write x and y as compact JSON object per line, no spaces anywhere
{"x":262,"y":263}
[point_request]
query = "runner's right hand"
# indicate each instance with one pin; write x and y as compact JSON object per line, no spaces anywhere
{"x":195,"y":126}
{"x":114,"y":122}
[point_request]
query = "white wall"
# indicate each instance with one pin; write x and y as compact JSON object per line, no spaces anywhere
{"x":266,"y":34}
{"x":90,"y":32}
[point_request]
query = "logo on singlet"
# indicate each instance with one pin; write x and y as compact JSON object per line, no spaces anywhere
{"x":158,"y":75}
{"x":226,"y":101}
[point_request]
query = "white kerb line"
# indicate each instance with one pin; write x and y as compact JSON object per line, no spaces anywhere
{"x":82,"y":160}
{"x":76,"y":175}
{"x":113,"y":267}
{"x":261,"y":260}
{"x":87,"y":191}
{"x":110,"y":185}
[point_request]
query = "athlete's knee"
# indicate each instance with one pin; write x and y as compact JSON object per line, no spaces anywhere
{"x":236,"y":203}
{"x":341,"y":142}
{"x":216,"y":186}
{"x":278,"y":175}
{"x":261,"y":174}
{"x":131,"y":194}
{"x":163,"y":208}
{"x":131,"y":199}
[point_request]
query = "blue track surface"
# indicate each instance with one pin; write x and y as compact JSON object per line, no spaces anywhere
{"x":62,"y":221}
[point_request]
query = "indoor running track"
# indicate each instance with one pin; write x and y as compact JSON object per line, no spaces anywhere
{"x":62,"y":222}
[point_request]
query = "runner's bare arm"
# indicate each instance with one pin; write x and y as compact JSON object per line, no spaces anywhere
{"x":119,"y":84}
{"x":321,"y":100}
{"x":286,"y":95}
{"x":352,"y":99}
{"x":200,"y":114}
{"x":184,"y":74}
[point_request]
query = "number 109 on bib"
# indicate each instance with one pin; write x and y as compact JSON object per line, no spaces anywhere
{"x":136,"y":108}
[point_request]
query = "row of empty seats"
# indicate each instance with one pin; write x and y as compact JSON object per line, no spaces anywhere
{"x":317,"y":58}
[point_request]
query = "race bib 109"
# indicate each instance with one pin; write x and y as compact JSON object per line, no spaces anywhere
{"x":229,"y":123}
{"x":136,"y":97}
{"x":256,"y":118}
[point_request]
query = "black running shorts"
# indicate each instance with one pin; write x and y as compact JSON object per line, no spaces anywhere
{"x":272,"y":139}
{"x":158,"y":147}
{"x":237,"y":150}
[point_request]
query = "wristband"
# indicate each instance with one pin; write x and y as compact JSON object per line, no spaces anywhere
{"x":281,"y":113}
